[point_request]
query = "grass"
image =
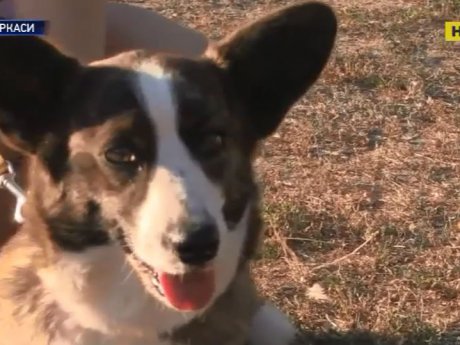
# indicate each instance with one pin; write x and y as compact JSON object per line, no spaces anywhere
{"x":362,"y":181}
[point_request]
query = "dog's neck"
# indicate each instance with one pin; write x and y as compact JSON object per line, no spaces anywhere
{"x":98,"y":299}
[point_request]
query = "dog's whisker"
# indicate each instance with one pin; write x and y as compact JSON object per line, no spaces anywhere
{"x":128,"y":275}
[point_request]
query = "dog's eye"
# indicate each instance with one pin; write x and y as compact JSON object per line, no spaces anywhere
{"x":120,"y":155}
{"x":213,"y":144}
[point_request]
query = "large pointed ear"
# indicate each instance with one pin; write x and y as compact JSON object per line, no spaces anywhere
{"x":34,"y":77}
{"x":271,"y":63}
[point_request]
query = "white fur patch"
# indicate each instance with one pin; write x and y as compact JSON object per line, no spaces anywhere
{"x":271,"y":327}
{"x":179,"y":189}
{"x":97,"y":290}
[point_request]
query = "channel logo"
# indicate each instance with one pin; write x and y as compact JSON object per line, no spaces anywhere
{"x":452,"y":31}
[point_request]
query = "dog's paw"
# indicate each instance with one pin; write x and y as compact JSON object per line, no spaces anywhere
{"x":272,"y":327}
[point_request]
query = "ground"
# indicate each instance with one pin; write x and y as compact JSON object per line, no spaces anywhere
{"x":362,"y":182}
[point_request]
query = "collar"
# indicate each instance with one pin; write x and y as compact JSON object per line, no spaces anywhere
{"x":8,"y":182}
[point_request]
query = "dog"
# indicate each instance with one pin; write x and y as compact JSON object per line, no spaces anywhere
{"x":142,"y":210}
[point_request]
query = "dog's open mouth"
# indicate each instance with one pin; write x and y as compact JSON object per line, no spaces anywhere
{"x":186,"y":292}
{"x":151,"y":273}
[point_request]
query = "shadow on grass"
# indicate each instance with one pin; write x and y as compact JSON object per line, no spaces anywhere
{"x":426,"y":336}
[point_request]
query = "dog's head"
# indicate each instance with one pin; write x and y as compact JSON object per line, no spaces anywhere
{"x":152,"y":153}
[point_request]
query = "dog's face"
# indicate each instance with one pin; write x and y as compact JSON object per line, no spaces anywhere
{"x":152,"y":153}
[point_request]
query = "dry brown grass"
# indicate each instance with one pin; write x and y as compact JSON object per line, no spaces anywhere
{"x":371,"y":155}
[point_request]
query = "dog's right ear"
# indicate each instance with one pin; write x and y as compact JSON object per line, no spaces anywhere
{"x":34,"y":77}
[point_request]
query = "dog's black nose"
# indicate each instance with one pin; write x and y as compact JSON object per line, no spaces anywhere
{"x":200,"y":245}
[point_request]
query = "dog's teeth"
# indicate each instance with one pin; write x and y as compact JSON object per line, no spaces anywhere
{"x":157,"y":284}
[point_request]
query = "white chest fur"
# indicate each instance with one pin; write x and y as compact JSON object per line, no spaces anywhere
{"x":103,"y":301}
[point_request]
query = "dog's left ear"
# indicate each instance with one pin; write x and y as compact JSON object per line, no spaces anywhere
{"x":271,"y":63}
{"x":34,"y":77}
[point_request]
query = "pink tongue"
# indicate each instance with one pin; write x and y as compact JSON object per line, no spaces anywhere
{"x":191,"y":291}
